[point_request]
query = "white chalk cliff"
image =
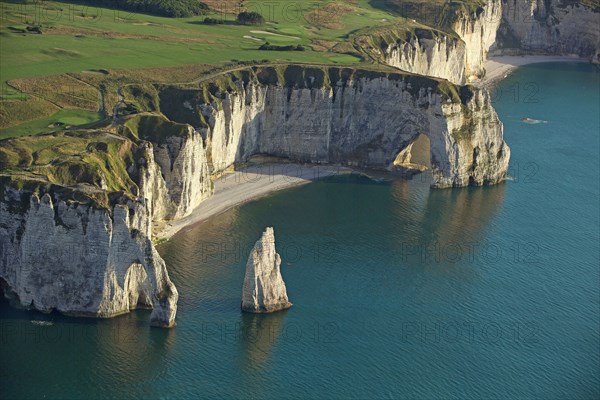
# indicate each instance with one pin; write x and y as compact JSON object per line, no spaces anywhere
{"x":87,"y":259}
{"x":264,"y":290}
{"x":442,"y":56}
{"x":364,"y":121}
{"x":458,"y":54}
{"x":561,"y":27}
{"x":82,"y":261}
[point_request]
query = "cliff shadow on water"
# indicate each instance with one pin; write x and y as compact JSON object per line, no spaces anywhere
{"x":446,"y":218}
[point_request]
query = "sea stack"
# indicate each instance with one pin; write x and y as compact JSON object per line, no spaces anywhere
{"x":264,"y":290}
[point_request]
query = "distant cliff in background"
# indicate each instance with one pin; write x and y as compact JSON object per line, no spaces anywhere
{"x":560,"y":27}
{"x":452,"y":40}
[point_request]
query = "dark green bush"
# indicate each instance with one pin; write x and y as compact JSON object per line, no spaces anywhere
{"x":250,"y":18}
{"x":268,"y":46}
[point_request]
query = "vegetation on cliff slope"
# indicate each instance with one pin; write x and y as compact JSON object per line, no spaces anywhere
{"x":89,"y":164}
{"x":98,"y":165}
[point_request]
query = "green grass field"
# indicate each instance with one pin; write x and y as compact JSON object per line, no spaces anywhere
{"x":76,"y":39}
{"x":58,"y":121}
{"x":73,"y":40}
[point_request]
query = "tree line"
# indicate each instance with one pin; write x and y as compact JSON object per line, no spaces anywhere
{"x":163,"y":8}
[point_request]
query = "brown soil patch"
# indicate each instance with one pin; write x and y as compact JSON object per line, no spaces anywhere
{"x":14,"y":112}
{"x":330,"y":15}
{"x":225,"y":6}
{"x":61,"y":90}
{"x":323,"y":45}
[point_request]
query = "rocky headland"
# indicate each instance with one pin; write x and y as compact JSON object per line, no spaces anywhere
{"x":79,"y":209}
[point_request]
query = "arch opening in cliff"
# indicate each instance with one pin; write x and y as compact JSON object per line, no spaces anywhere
{"x":137,"y":287}
{"x":415,"y":157}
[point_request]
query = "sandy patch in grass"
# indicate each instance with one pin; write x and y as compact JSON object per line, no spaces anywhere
{"x":253,"y":38}
{"x":275,"y":34}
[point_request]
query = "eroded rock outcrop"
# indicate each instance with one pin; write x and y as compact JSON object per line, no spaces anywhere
{"x":439,"y":55}
{"x":82,"y":261}
{"x":457,"y":50}
{"x":80,"y":242}
{"x":264,"y":290}
{"x":478,"y":31}
{"x":175,"y":177}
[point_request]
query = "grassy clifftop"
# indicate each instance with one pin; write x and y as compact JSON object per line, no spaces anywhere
{"x":59,"y":59}
{"x":102,"y":165}
{"x":181,"y":103}
{"x":439,"y":14}
{"x":85,"y":166}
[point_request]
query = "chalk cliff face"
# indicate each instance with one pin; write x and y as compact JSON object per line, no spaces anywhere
{"x":264,"y":290}
{"x":441,"y":56}
{"x":478,"y":32}
{"x":86,"y":259}
{"x":458,"y":53}
{"x":552,"y":27}
{"x":458,"y":56}
{"x":82,"y":261}
{"x":175,"y":177}
{"x":364,"y":122}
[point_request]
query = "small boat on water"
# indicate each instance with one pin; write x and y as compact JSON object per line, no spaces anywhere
{"x":533,"y":121}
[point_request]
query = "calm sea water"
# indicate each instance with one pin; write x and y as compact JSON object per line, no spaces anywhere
{"x":399,"y":291}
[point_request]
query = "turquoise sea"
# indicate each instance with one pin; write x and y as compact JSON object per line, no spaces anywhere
{"x":399,"y":291}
